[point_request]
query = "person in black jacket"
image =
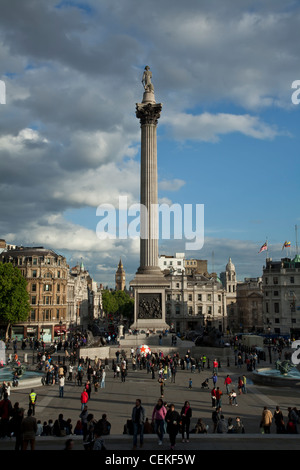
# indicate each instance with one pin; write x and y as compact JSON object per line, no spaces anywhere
{"x":186,"y":414}
{"x":172,"y":419}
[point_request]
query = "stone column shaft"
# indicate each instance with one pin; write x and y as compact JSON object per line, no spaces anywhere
{"x":148,"y":115}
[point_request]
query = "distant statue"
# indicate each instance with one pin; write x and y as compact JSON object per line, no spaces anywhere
{"x":146,"y":80}
{"x":284,"y":367}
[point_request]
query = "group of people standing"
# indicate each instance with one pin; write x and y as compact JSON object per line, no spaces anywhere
{"x":165,"y":419}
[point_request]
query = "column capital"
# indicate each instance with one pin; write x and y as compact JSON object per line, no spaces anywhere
{"x":148,"y":113}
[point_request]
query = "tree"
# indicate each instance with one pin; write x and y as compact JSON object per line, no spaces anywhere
{"x":117,"y":301}
{"x":109,"y":302}
{"x":14,"y":298}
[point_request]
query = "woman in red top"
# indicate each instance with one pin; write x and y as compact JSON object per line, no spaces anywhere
{"x":84,"y":399}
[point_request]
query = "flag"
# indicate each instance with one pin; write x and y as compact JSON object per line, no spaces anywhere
{"x":286,"y":245}
{"x":264,"y":247}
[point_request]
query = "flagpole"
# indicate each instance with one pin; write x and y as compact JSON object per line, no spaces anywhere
{"x":296,"y":230}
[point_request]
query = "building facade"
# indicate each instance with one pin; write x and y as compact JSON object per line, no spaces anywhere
{"x":46,"y":274}
{"x":281,"y":296}
{"x":249,"y":300}
{"x":196,"y":301}
{"x":174,"y":264}
{"x":61,"y":299}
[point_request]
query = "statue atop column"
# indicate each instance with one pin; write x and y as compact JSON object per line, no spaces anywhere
{"x":146,"y":80}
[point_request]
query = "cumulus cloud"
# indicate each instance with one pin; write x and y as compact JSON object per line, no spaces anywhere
{"x":209,"y":127}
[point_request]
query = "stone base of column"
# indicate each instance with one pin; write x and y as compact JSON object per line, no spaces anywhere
{"x":149,"y":300}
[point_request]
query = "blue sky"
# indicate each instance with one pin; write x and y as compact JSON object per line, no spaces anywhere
{"x":228,"y":136}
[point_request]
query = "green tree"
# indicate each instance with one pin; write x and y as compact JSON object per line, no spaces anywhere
{"x":117,"y":301}
{"x":109,"y":302}
{"x":14,"y":298}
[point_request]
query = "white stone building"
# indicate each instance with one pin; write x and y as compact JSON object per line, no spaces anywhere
{"x":281,"y":296}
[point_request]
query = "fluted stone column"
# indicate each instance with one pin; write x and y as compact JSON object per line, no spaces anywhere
{"x":149,"y":113}
{"x":149,"y":283}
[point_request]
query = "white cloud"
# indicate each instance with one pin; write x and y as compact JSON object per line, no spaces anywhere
{"x":208,"y":127}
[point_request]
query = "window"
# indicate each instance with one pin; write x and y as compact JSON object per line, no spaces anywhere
{"x":47,"y":287}
{"x":58,"y":299}
{"x":266,"y":281}
{"x":275,"y":280}
{"x":34,"y":273}
{"x":190,"y":297}
{"x":34,"y":261}
{"x":199,"y":309}
{"x":32,"y":315}
{"x":168,"y":297}
{"x":276,"y":307}
{"x":177,"y":285}
{"x":267,"y":308}
{"x":33,"y":300}
{"x":276,"y":293}
{"x":209,"y":310}
{"x":219,"y":298}
{"x":177,"y":310}
{"x":292,"y":280}
{"x":33,"y":287}
{"x":200,"y":297}
{"x":190,"y":310}
{"x":209,"y":297}
{"x":58,"y":274}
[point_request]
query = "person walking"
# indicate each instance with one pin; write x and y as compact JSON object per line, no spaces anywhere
{"x":158,"y":419}
{"x":6,"y":410}
{"x":102,"y":385}
{"x":61,"y":382}
{"x":84,"y":398}
{"x":227,"y":383}
{"x":279,"y":422}
{"x":215,"y":418}
{"x":172,"y":419}
{"x":186,"y":414}
{"x":84,"y":421}
{"x":266,"y":420}
{"x":233,"y":398}
{"x":28,"y":430}
{"x":138,"y":417}
{"x":244,"y":380}
{"x":219,"y":394}
{"x":32,"y":401}
{"x":213,"y":397}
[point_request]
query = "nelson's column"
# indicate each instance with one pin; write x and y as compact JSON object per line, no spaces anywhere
{"x":149,"y":283}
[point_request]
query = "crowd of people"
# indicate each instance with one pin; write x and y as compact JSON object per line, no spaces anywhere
{"x":90,"y":375}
